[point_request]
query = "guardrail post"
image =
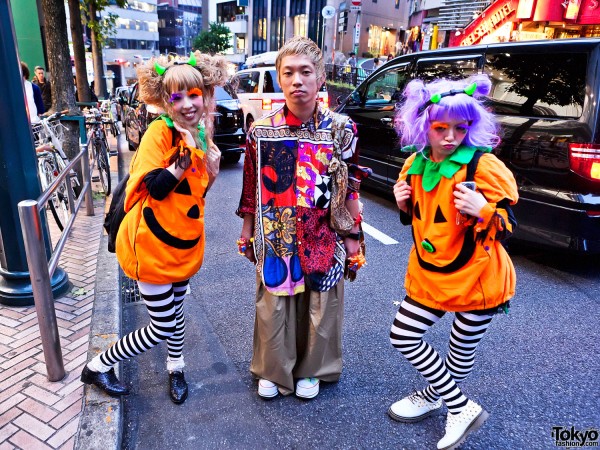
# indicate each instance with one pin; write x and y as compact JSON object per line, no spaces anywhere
{"x":42,"y":291}
{"x":87,"y":178}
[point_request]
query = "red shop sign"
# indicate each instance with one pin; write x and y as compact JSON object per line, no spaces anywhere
{"x":492,"y":18}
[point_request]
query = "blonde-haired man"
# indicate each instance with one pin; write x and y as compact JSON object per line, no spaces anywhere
{"x":285,"y":207}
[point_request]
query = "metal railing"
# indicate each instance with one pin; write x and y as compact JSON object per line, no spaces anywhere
{"x":346,"y":74}
{"x":40,"y":268}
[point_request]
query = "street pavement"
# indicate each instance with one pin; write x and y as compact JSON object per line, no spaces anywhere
{"x":537,"y":368}
{"x":34,"y":412}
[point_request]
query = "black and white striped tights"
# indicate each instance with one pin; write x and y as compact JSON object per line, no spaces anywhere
{"x":410,"y":324}
{"x":167,"y":322}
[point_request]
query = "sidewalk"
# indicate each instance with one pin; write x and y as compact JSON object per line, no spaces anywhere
{"x":36,"y":413}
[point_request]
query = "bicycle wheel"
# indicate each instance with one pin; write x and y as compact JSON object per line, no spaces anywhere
{"x":59,"y":207}
{"x":57,"y":203}
{"x":103,"y":165}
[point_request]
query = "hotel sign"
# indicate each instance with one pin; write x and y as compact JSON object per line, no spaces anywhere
{"x":489,"y":21}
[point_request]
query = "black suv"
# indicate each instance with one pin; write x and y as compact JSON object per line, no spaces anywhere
{"x":545,"y":95}
{"x":229,"y":135}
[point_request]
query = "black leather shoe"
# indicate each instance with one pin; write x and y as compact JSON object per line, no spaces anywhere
{"x":106,"y":381}
{"x":178,"y":388}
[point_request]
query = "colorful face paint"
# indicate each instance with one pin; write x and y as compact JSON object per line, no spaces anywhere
{"x":175,"y":97}
{"x":440,"y":127}
{"x":194,"y":91}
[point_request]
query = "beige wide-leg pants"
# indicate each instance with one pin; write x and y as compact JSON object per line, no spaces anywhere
{"x":298,"y":336}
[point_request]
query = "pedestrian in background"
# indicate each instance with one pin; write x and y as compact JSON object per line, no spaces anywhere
{"x":457,"y":263}
{"x":352,"y":59}
{"x":299,"y":258}
{"x":40,"y":81}
{"x":160,"y":242}
{"x":33,"y":96}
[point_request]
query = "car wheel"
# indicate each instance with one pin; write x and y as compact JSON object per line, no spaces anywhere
{"x":232,"y":158}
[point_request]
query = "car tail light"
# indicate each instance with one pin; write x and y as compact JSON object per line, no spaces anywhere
{"x":267,"y":103}
{"x":584,"y":160}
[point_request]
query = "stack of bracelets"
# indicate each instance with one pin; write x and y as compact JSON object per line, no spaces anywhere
{"x":244,"y":244}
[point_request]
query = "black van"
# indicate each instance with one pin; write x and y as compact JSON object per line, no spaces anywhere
{"x":545,"y":95}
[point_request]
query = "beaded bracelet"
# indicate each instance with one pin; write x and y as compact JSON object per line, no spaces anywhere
{"x":244,"y":244}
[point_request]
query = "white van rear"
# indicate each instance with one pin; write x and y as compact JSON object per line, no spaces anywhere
{"x":259,"y":92}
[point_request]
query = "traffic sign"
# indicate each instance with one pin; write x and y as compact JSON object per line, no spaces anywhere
{"x":328,"y":12}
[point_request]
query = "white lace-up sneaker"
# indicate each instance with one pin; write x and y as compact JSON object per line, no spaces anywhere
{"x":307,"y":388}
{"x":458,"y":426}
{"x":267,"y":389}
{"x":413,"y":408}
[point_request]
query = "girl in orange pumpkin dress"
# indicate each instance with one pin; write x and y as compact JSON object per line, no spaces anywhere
{"x":457,"y":263}
{"x":160,"y":242}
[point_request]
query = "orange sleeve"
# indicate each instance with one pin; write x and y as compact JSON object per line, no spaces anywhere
{"x":405,"y":167}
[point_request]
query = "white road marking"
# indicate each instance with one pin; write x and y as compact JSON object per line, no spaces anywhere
{"x":375,"y":233}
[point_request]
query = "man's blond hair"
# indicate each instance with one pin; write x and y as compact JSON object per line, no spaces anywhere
{"x":303,"y":46}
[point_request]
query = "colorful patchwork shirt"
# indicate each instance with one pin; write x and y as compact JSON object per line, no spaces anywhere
{"x":286,"y":168}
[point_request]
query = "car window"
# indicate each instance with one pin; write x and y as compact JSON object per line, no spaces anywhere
{"x":247,"y":83}
{"x":452,"y":68}
{"x":386,"y":88}
{"x":548,"y":84}
{"x":271,"y":85}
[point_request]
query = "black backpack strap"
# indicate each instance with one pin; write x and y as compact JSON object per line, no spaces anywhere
{"x":472,"y":165}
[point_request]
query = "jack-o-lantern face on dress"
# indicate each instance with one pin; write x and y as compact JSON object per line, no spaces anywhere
{"x":153,"y":221}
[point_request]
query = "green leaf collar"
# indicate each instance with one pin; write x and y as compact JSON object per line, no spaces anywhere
{"x":433,"y":171}
{"x":201,"y":130}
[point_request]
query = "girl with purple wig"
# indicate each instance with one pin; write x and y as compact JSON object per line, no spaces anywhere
{"x":456,"y":195}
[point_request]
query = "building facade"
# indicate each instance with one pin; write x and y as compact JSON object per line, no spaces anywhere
{"x":179,"y":22}
{"x":436,"y":23}
{"x":367,"y":27}
{"x":136,"y":39}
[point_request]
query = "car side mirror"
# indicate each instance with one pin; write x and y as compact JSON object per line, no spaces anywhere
{"x":354,"y":98}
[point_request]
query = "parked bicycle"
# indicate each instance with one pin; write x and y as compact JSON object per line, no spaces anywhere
{"x":51,"y":158}
{"x":96,"y":123}
{"x":108,"y":109}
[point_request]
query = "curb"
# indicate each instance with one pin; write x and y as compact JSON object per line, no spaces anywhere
{"x":100,"y":426}
{"x":101,"y":420}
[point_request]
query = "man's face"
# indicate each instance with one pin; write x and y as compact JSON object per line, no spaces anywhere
{"x":39,"y":73}
{"x":298,"y":80}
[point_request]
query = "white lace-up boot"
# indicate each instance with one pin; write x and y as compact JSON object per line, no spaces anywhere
{"x":413,"y":408}
{"x":458,"y":426}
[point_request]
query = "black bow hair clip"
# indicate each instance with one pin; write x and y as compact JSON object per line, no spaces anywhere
{"x":161,"y":70}
{"x":435,"y":98}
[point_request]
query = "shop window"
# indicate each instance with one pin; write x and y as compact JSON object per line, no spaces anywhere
{"x":300,"y":25}
{"x":545,"y":84}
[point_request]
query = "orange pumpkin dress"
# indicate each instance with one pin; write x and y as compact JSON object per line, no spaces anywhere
{"x":162,"y":241}
{"x":468,"y":268}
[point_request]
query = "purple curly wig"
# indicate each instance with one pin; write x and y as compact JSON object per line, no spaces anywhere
{"x":414,"y":121}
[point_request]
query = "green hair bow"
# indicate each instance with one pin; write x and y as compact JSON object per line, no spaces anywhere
{"x":161,"y":70}
{"x":435,"y":98}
